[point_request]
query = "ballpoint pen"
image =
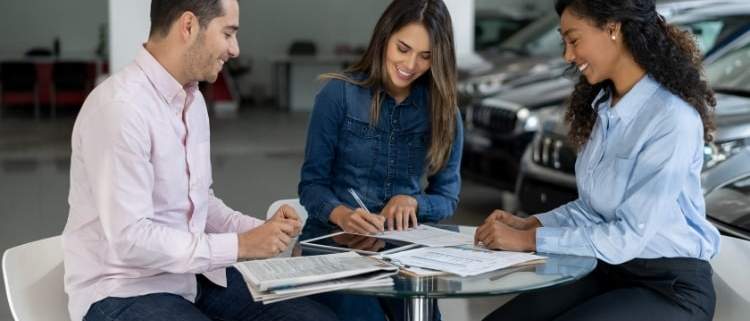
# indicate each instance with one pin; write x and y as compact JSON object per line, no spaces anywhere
{"x":358,"y":200}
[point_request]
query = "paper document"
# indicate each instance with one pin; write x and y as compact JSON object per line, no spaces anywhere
{"x":429,"y":236}
{"x":461,"y":260}
{"x":278,"y":279}
{"x":294,"y":271}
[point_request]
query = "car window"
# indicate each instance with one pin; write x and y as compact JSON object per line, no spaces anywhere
{"x":731,"y":204}
{"x":491,"y":31}
{"x":732,"y":70}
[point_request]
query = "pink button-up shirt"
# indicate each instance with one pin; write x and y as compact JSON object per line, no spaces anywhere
{"x":143,"y":217}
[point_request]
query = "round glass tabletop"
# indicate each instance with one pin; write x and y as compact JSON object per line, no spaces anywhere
{"x":555,"y":270}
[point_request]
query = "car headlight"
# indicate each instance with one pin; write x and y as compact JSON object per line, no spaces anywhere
{"x":531,"y":120}
{"x":715,"y":153}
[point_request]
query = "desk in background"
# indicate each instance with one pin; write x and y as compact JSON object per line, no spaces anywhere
{"x":295,"y":78}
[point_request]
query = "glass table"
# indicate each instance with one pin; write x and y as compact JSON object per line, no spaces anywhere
{"x":419,"y":293}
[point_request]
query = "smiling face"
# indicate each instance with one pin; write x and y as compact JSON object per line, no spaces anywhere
{"x":594,"y":50}
{"x":408,"y":56}
{"x":215,"y":44}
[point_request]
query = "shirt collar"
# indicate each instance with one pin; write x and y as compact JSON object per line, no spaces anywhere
{"x":166,"y":85}
{"x":416,"y":94}
{"x":630,"y":104}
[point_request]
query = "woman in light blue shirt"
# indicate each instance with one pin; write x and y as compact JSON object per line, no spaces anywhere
{"x":640,"y":116}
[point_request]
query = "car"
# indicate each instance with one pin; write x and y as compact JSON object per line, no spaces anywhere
{"x":533,"y":49}
{"x":491,"y":27}
{"x":547,"y":180}
{"x":499,"y":128}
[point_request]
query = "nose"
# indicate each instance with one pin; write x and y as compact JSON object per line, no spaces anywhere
{"x":234,"y":49}
{"x":568,"y":55}
{"x":411,"y":62}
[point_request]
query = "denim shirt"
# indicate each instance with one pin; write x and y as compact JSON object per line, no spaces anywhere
{"x":344,"y":151}
{"x":639,"y":184}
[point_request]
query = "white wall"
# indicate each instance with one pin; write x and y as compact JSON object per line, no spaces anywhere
{"x":35,"y":23}
{"x":128,"y":26}
{"x":269,"y":26}
{"x":462,"y":16}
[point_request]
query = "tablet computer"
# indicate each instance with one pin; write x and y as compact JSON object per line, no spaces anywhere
{"x":364,"y":244}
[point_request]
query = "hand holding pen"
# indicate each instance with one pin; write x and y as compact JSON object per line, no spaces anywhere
{"x":360,"y":220}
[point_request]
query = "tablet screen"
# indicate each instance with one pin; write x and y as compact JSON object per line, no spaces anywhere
{"x":357,"y":242}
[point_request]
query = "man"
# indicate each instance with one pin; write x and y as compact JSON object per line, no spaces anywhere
{"x":146,"y":239}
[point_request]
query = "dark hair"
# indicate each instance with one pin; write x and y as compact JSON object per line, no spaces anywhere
{"x":165,"y":12}
{"x":664,"y":51}
{"x":441,"y":80}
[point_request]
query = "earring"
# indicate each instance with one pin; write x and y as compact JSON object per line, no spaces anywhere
{"x":613,"y":37}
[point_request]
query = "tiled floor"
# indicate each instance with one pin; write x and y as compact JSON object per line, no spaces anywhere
{"x":256,"y":160}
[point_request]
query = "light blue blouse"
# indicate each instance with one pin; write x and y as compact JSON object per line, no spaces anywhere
{"x":639,"y":185}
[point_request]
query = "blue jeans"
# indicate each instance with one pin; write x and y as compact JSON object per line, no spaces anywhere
{"x":212,"y":303}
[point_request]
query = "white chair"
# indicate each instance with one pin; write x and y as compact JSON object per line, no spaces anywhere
{"x":730,"y":280}
{"x":33,"y":275}
{"x":294,"y":203}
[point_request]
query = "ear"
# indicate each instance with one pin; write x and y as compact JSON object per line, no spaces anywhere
{"x":187,"y":26}
{"x":614,"y":29}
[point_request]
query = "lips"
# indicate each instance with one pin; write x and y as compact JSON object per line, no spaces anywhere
{"x":404,"y":75}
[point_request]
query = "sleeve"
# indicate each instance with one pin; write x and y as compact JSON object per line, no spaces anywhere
{"x":314,"y":188}
{"x":116,"y":156}
{"x":440,"y":198}
{"x":575,"y":213}
{"x":660,"y":170}
{"x":222,"y":219}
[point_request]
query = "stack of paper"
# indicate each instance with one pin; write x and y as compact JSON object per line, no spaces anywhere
{"x":461,"y":260}
{"x":279,"y":279}
{"x":429,"y":236}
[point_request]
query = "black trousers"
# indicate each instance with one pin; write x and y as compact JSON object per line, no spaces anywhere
{"x":662,"y":289}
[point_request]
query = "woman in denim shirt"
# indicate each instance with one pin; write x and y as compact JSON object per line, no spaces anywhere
{"x":382,"y":128}
{"x":640,"y":115}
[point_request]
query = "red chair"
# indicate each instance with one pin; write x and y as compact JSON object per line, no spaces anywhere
{"x":71,"y":83}
{"x":18,"y":85}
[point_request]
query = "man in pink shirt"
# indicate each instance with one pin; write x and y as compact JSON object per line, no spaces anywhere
{"x":146,"y":239}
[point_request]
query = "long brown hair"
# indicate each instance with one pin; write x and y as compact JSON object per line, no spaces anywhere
{"x":441,"y":78}
{"x":666,"y":52}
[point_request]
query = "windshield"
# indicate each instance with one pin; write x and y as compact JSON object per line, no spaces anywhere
{"x":540,"y":38}
{"x":731,"y":204}
{"x":731,"y":71}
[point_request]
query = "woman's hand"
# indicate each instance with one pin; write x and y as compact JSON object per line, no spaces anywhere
{"x":357,"y":221}
{"x":497,"y":235}
{"x":400,"y":210}
{"x":513,"y":221}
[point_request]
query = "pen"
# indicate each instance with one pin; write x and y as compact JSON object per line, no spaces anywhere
{"x":358,"y":200}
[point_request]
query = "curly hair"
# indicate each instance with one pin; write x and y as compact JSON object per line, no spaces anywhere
{"x":664,"y":51}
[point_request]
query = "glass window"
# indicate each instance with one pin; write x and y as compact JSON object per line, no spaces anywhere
{"x":731,"y":204}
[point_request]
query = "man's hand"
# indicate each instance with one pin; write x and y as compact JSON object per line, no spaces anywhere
{"x":496,"y":235}
{"x":357,"y":221}
{"x":400,"y":211}
{"x":288,"y":214}
{"x":271,"y":238}
{"x":513,"y":221}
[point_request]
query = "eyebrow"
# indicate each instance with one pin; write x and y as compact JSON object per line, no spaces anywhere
{"x":233,"y":28}
{"x":407,"y":46}
{"x":565,"y":34}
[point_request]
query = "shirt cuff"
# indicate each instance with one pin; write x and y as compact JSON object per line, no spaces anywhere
{"x":424,"y":206}
{"x":547,"y":239}
{"x":223,"y":248}
{"x":325,"y":210}
{"x":548,"y":219}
